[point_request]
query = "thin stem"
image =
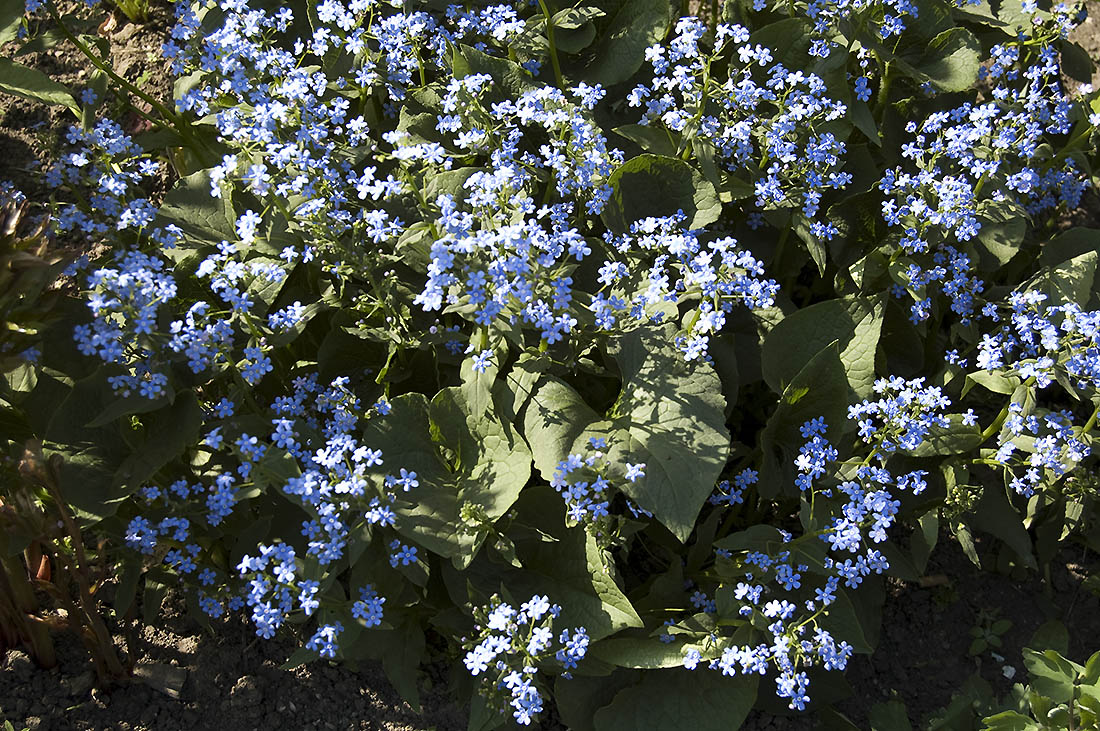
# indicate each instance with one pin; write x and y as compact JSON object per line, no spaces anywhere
{"x":553,"y":49}
{"x":883,"y":92}
{"x":95,"y":621}
{"x":1001,"y":417}
{"x":1092,"y":420}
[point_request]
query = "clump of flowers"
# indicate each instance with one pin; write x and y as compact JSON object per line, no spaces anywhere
{"x":583,"y":484}
{"x":718,"y":273}
{"x":759,"y":125}
{"x":510,"y":646}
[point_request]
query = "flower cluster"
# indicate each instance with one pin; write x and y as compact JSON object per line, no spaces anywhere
{"x":332,"y":480}
{"x":364,"y":170}
{"x":1045,"y":342}
{"x":588,"y":493}
{"x":774,"y":584}
{"x":903,"y":415}
{"x":111,"y":170}
{"x":1050,"y":444}
{"x":124,"y":302}
{"x":979,"y":162}
{"x":719,"y":274}
{"x":511,"y":643}
{"x":765,"y":129}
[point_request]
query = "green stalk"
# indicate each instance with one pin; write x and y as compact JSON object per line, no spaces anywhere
{"x":553,"y":49}
{"x":883,"y":92}
{"x":1001,"y":417}
{"x":1092,"y":421}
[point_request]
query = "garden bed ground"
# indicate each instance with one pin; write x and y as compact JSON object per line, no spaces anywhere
{"x":233,"y":679}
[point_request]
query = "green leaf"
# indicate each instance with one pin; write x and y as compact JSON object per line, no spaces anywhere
{"x":1069,"y":281}
{"x":950,"y":61}
{"x":1051,"y":635}
{"x":955,"y":438}
{"x":126,"y":589}
{"x":574,"y":40}
{"x":966,"y":542}
{"x":1009,"y":721}
{"x":1051,"y":674}
{"x":819,"y":390}
{"x":864,"y":121}
{"x":23,"y":81}
{"x":638,"y":652}
{"x":760,"y":537}
{"x":649,"y":137}
{"x":789,"y":40}
{"x":478,"y":385}
{"x":574,"y":18}
{"x":841,"y":619}
{"x":925,"y":537}
{"x":90,"y":456}
{"x":190,"y":206}
{"x":636,"y":25}
{"x":275,"y":469}
{"x":889,"y":716}
{"x":490,"y":465}
{"x":509,"y":78}
{"x":402,"y":649}
{"x":579,"y":698}
{"x":151,"y":599}
{"x":168,"y":433}
{"x":815,"y":247}
{"x":11,"y":14}
{"x":855,"y":322}
{"x":657,"y":185}
{"x":1068,"y":244}
{"x":520,"y":383}
{"x":566,"y":564}
{"x":673,"y":699}
{"x":301,"y":656}
{"x":136,"y":404}
{"x":1076,"y":62}
{"x":1004,"y":224}
{"x":994,"y":382}
{"x":448,"y":182}
{"x":23,"y":378}
{"x":553,"y":422}
{"x":671,"y":416}
{"x":246,"y":539}
{"x":483,"y":716}
{"x":996,"y":516}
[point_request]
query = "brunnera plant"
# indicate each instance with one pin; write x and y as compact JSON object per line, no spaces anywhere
{"x":624,"y":351}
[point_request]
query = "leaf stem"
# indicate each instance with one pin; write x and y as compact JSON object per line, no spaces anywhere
{"x":553,"y":49}
{"x":1001,"y":417}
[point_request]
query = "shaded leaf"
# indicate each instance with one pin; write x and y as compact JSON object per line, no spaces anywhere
{"x":487,"y":465}
{"x":566,"y":564}
{"x":819,"y":390}
{"x":23,"y":81}
{"x":636,"y":25}
{"x":669,"y":699}
{"x":855,"y":322}
{"x":657,"y":185}
{"x":1051,"y":674}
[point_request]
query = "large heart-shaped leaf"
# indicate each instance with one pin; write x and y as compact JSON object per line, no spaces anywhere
{"x":669,"y":416}
{"x":486,"y":464}
{"x":657,"y":185}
